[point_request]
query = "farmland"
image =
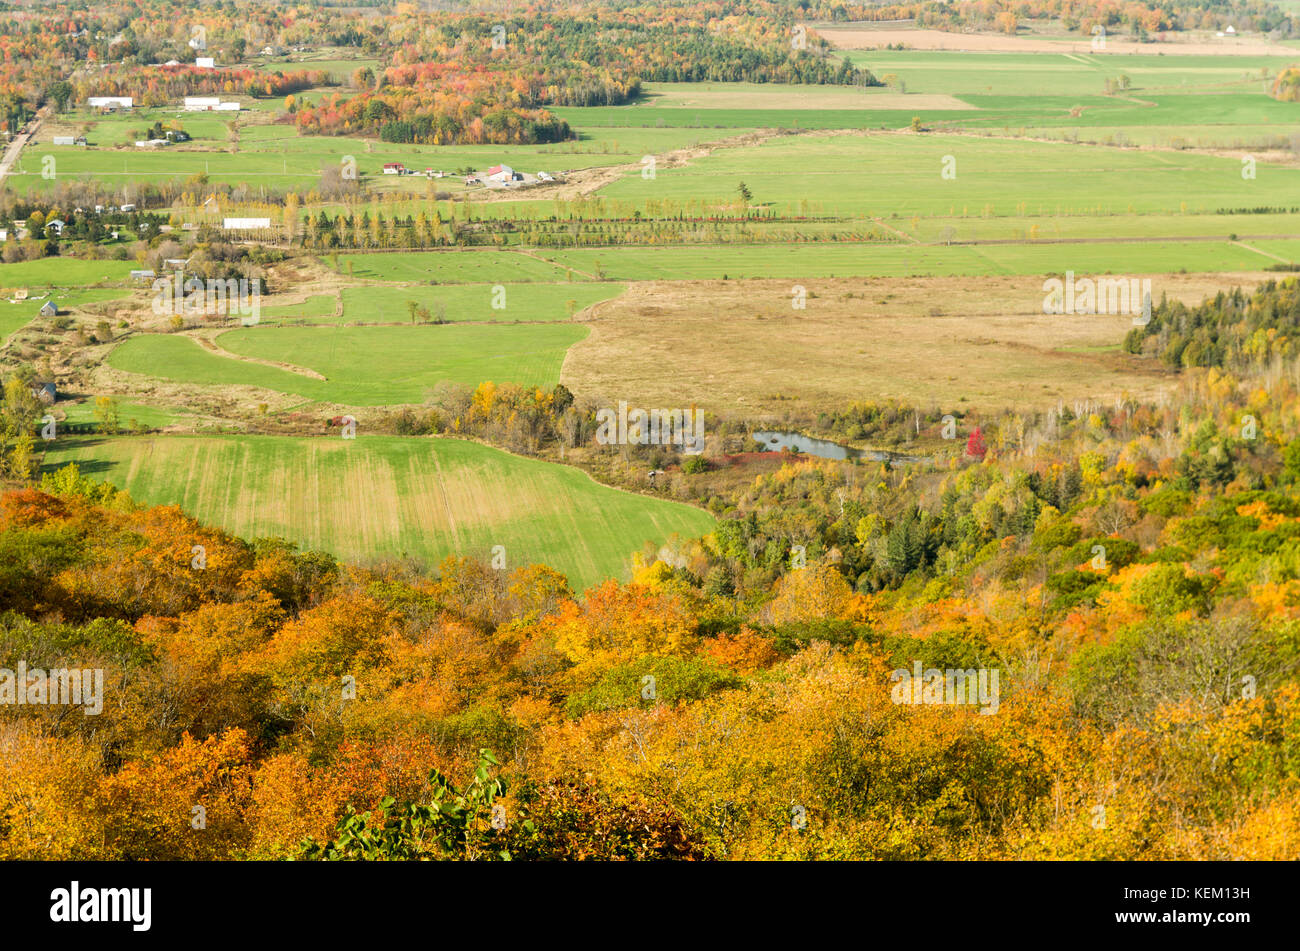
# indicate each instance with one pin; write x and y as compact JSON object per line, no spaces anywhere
{"x":949,"y":343}
{"x":377,"y":498}
{"x":504,"y":303}
{"x":753,"y":430}
{"x":918,"y":217}
{"x":368,"y":366}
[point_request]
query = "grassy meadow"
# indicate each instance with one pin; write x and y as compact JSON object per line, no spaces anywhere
{"x":376,"y":498}
{"x":357,"y":366}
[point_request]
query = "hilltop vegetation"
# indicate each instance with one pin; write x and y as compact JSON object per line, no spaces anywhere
{"x":365,"y":572}
{"x":1132,"y":573}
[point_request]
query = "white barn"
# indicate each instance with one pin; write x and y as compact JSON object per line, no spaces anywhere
{"x":110,"y":102}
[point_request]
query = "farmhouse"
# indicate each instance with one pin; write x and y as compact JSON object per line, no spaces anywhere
{"x":394,"y":168}
{"x":55,"y":225}
{"x":246,"y":224}
{"x":49,"y":309}
{"x":503,"y":174}
{"x":110,"y":102}
{"x":45,"y":391}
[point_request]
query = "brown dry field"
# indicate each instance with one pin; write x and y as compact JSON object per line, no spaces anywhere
{"x":749,"y":96}
{"x":849,"y":38}
{"x":971,"y":342}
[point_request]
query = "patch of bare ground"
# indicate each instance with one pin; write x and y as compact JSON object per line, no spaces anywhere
{"x":863,"y":37}
{"x":586,"y":181}
{"x":233,"y":406}
{"x":972,"y":342}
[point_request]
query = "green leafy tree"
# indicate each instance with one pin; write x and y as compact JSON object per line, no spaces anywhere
{"x":454,"y":824}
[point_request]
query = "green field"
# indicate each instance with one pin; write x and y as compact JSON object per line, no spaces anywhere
{"x":450,"y":267}
{"x":14,"y":316}
{"x":473,"y":302}
{"x":318,"y":305}
{"x":144,"y":415}
{"x":278,"y":157}
{"x":1064,"y":74}
{"x":64,"y":272}
{"x":388,"y":497}
{"x":1210,"y":101}
{"x":362,"y":366}
{"x":903,"y":175}
{"x":898,"y":260}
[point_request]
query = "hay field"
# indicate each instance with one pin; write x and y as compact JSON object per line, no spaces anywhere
{"x":973,"y":343}
{"x":375,"y":498}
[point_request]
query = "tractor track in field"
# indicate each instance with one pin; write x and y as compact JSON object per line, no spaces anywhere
{"x":210,"y":344}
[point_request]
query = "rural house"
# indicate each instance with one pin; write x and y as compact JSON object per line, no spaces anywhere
{"x":502,"y":174}
{"x":45,"y":391}
{"x":49,"y":309}
{"x":394,"y":168}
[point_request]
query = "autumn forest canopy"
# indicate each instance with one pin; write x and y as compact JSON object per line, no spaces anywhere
{"x":636,"y":430}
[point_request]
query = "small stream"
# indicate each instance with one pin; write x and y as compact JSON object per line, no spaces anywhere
{"x":774,"y":441}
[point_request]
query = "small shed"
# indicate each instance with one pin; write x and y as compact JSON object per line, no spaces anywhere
{"x":49,"y":309}
{"x":45,"y":391}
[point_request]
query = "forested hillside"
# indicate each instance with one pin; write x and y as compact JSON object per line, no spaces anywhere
{"x":1131,"y":573}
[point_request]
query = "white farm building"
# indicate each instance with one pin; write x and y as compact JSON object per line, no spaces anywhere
{"x":246,"y":224}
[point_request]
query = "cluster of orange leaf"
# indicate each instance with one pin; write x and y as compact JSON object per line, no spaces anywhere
{"x":248,"y":702}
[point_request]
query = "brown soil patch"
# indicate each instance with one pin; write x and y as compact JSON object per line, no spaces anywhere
{"x":971,"y":342}
{"x":858,"y":37}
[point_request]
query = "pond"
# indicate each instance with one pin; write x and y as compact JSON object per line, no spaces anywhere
{"x":774,"y":441}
